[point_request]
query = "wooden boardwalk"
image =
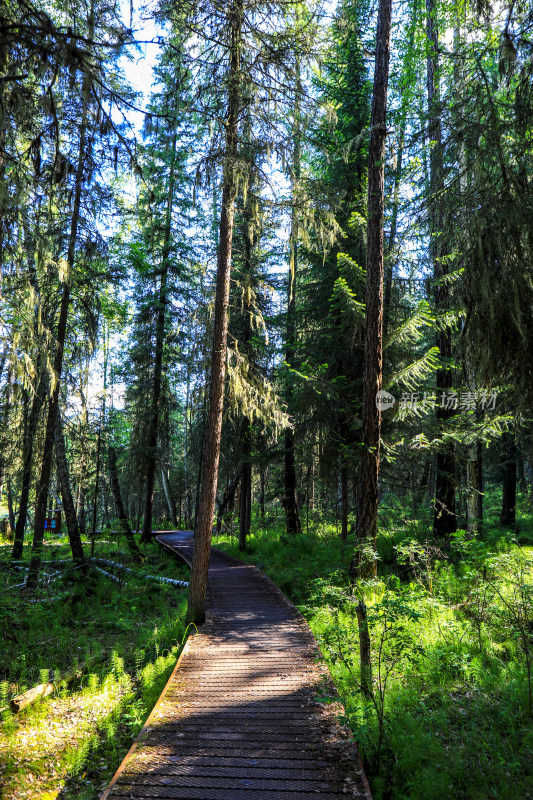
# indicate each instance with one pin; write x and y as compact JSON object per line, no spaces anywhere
{"x":239,"y":718}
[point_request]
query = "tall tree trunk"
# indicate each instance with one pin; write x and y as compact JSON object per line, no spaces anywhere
{"x":444,"y":516}
{"x":53,"y":403}
{"x":391,"y":243}
{"x":249,"y":499}
{"x":68,"y":503}
{"x":508,"y":513}
{"x":227,"y":500}
{"x":10,"y":512}
{"x":186,"y":489}
{"x":246,"y":488}
{"x":204,"y":526}
{"x":474,"y":499}
{"x":169,"y":497}
{"x":292,"y":513}
{"x":96,"y":488}
{"x":82,"y":518}
{"x":4,"y":416}
{"x":521,"y":468}
{"x":262,"y":482}
{"x":367,"y":494}
{"x":153,"y":429}
{"x":393,"y":226}
{"x":121,"y":514}
{"x":139,"y":507}
{"x":344,"y":501}
{"x":246,"y":433}
{"x":30,"y":430}
{"x":31,"y":419}
{"x":365,"y":652}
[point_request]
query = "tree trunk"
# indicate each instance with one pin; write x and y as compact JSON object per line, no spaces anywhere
{"x":229,"y":496}
{"x":4,"y":423}
{"x":311,"y":497}
{"x":121,"y":514}
{"x":262,"y":487}
{"x":444,"y":516}
{"x":521,"y":468}
{"x":365,"y":655}
{"x":82,"y":519}
{"x":171,"y":505}
{"x":10,"y":512}
{"x":344,"y":501}
{"x":29,"y":439}
{"x":393,"y":226}
{"x":204,"y":527}
{"x":508,"y":513}
{"x":146,"y":535}
{"x":68,"y":503}
{"x":249,"y":499}
{"x":245,"y":487}
{"x":367,"y":495}
{"x":474,"y":500}
{"x":139,"y":508}
{"x":96,"y":487}
{"x":53,"y":402}
{"x":292,"y":513}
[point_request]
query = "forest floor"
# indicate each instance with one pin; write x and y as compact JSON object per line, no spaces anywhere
{"x":69,"y":745}
{"x":452,"y":639}
{"x":451,"y":633}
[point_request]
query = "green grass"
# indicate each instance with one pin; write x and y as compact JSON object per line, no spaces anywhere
{"x":68,"y":746}
{"x":455,"y":710}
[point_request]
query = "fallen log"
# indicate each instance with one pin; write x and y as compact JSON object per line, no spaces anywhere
{"x":29,"y":697}
{"x":118,"y":565}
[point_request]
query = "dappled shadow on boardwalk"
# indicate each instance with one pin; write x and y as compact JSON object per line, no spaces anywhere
{"x":233,"y":749}
{"x":240,"y":718}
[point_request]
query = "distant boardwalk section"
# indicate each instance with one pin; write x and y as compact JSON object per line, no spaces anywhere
{"x":239,"y":718}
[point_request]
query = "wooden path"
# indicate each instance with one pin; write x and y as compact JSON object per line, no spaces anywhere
{"x":239,"y":718}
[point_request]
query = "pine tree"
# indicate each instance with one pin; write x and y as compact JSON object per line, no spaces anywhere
{"x":367,"y":490}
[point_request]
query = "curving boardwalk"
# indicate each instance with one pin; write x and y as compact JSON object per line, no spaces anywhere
{"x":239,"y":719}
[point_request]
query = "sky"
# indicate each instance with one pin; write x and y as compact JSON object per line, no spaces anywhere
{"x":139,"y":69}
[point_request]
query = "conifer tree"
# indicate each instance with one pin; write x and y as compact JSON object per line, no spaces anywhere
{"x":367,"y":490}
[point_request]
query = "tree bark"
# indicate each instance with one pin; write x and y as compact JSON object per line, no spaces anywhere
{"x":169,"y":497}
{"x":153,"y":430}
{"x":229,"y":496}
{"x":69,"y":509}
{"x":29,"y":439}
{"x":508,"y":513}
{"x":344,"y":501}
{"x":53,"y":403}
{"x":444,"y":516}
{"x":10,"y":512}
{"x":96,"y":488}
{"x":367,"y":495}
{"x":245,"y":487}
{"x":204,"y":526}
{"x":262,"y":482}
{"x":365,"y":654}
{"x":292,"y":513}
{"x":123,"y":521}
{"x":474,"y":478}
{"x":82,"y":518}
{"x":393,"y":226}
